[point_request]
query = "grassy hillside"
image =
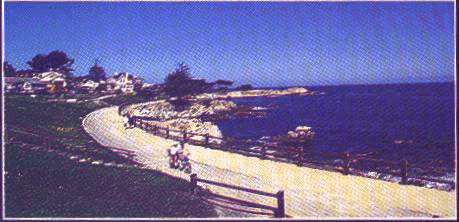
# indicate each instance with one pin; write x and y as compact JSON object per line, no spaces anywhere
{"x":118,"y":100}
{"x":60,"y":121}
{"x":43,"y":184}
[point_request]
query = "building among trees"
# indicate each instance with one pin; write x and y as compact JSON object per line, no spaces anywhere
{"x":19,"y":85}
{"x":124,"y":82}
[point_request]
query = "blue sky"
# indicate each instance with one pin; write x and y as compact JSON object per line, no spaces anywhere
{"x":263,"y":44}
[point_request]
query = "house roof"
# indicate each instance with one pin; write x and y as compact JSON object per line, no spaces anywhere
{"x":50,"y":76}
{"x":123,"y":75}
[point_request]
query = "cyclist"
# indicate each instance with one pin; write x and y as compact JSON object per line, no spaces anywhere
{"x":173,"y":151}
{"x":182,"y":152}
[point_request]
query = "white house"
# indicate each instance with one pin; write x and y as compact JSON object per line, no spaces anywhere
{"x":51,"y":77}
{"x":124,"y":82}
{"x":23,"y":85}
{"x":89,"y":84}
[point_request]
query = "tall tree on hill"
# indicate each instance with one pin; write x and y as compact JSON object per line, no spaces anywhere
{"x":244,"y":87}
{"x":223,"y":84}
{"x":59,"y":61}
{"x":180,"y":83}
{"x":56,"y":60}
{"x":39,"y":63}
{"x":97,"y":73}
{"x":8,"y":70}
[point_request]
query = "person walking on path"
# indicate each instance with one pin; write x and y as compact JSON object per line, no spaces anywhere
{"x":130,"y":120}
{"x":126,"y":121}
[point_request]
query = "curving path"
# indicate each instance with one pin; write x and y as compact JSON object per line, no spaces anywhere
{"x":309,"y":193}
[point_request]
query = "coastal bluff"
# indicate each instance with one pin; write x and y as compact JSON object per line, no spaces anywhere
{"x":165,"y":115}
{"x":309,"y":193}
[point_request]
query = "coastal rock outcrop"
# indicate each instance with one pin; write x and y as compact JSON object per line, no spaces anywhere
{"x":164,"y":114}
{"x":261,"y":93}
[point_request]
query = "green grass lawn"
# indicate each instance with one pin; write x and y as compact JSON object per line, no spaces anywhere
{"x":42,"y":184}
{"x":119,"y":100}
{"x":60,"y":121}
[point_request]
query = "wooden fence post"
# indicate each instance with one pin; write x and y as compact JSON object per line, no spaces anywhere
{"x":346,"y":162}
{"x":280,"y":213}
{"x":45,"y":146}
{"x":263,"y":151}
{"x":404,"y":171}
{"x":207,"y":139}
{"x":130,"y":156}
{"x":300,"y":159}
{"x":46,"y":141}
{"x":193,"y":181}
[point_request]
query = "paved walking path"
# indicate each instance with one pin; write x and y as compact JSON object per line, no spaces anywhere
{"x":309,"y":193}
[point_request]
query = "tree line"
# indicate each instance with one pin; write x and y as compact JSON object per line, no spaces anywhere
{"x":57,"y":61}
{"x":179,"y":84}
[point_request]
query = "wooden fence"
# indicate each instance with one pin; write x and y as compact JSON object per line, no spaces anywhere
{"x":125,"y":153}
{"x":49,"y":143}
{"x":122,"y":107}
{"x":278,"y":211}
{"x":347,"y":161}
{"x":45,"y":141}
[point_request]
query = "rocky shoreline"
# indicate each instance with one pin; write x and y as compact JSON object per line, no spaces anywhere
{"x":204,"y":107}
{"x":163,"y":114}
{"x":199,"y":116}
{"x":261,"y":93}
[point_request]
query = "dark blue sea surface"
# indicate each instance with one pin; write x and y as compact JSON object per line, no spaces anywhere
{"x":362,"y":119}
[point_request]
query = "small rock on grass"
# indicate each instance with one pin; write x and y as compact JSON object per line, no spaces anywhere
{"x":97,"y":162}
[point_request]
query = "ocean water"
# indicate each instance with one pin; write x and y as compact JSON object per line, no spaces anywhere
{"x":362,"y":119}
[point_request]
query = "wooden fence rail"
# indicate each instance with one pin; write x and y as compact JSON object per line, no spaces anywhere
{"x":246,"y":203}
{"x":126,"y":153}
{"x":267,"y":151}
{"x":44,"y":140}
{"x":279,"y":211}
{"x":49,"y":143}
